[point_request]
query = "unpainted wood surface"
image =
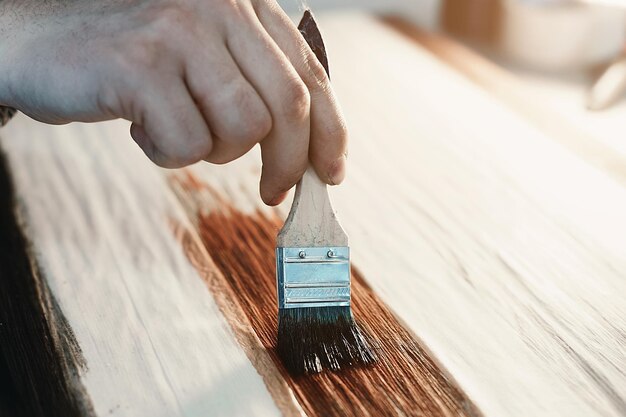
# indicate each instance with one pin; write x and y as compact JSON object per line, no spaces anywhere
{"x":97,"y":213}
{"x":501,"y":251}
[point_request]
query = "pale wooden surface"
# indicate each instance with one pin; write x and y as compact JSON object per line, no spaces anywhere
{"x":499,"y":248}
{"x":98,"y":215}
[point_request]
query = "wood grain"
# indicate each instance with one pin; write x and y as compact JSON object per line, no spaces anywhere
{"x":40,"y":360}
{"x":499,"y":251}
{"x":404,"y":382}
{"x":97,"y":213}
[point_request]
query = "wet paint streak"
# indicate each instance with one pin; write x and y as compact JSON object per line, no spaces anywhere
{"x":404,"y":382}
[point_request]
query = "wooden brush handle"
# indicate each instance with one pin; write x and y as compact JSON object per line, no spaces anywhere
{"x":312,"y":220}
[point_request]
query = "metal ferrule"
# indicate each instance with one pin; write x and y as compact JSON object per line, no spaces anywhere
{"x":313,"y":277}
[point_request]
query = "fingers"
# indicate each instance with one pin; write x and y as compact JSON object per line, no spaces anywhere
{"x":217,"y":94}
{"x":328,"y":141}
{"x":167,"y":124}
{"x":237,"y":116}
{"x":285,"y":150}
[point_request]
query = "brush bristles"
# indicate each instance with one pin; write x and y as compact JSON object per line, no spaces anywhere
{"x":313,"y":339}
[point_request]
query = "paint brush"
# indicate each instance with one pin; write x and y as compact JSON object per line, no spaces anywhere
{"x":316,"y":329}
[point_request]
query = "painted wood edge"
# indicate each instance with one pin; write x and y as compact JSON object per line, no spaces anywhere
{"x":42,"y":357}
{"x":97,"y":213}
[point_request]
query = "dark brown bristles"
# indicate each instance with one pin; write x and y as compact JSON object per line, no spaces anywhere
{"x":314,"y":339}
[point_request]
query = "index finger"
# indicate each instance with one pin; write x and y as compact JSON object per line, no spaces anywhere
{"x":329,"y":137}
{"x":285,"y":150}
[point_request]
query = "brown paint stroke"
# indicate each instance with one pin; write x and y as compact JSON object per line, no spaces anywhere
{"x":406,"y":381}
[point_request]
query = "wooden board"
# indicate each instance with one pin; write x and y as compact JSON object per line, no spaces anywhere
{"x":97,"y":214}
{"x":501,"y":252}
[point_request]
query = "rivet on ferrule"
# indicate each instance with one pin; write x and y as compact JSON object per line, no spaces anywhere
{"x":313,"y":276}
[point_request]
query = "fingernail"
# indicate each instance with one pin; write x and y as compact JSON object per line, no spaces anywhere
{"x":278,"y":199}
{"x":337,"y":171}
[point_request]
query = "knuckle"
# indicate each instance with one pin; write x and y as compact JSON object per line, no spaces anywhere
{"x":232,"y":11}
{"x":171,"y":17}
{"x":189,"y":152}
{"x":138,"y":104}
{"x":157,"y":157}
{"x":140,"y":54}
{"x":251,"y":121}
{"x":177,"y":153}
{"x":163,"y":161}
{"x":253,"y":130}
{"x":257,"y":122}
{"x":297,"y":100}
{"x":178,"y":159}
{"x":166,"y":28}
{"x":316,"y":73}
{"x":145,"y":54}
{"x":195,"y":151}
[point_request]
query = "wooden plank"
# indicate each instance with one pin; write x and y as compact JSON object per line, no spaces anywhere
{"x":154,"y":340}
{"x":501,"y":250}
{"x":405,"y":380}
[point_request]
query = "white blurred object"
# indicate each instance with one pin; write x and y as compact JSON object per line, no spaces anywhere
{"x":609,"y":87}
{"x":424,"y":13}
{"x":613,"y":3}
{"x":559,"y":35}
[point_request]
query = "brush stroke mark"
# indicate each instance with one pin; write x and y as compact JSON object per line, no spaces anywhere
{"x":237,"y":319}
{"x":406,"y":381}
{"x":604,"y":385}
{"x":41,"y":359}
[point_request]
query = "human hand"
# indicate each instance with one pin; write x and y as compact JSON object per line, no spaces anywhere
{"x":199,"y":79}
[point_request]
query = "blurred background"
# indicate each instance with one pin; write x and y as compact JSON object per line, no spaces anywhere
{"x":566,"y":58}
{"x":550,"y":35}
